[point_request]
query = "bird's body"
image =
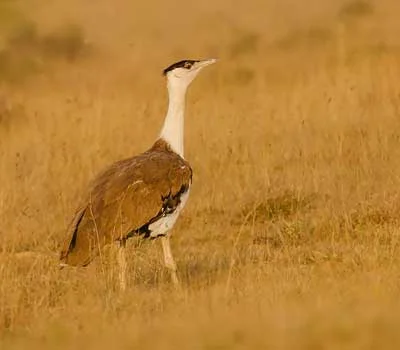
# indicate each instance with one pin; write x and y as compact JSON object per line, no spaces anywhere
{"x":142,"y":195}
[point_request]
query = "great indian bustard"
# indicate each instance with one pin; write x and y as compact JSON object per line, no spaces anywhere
{"x":142,"y":195}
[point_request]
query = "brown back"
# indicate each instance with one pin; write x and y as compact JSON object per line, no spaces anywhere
{"x":124,"y":198}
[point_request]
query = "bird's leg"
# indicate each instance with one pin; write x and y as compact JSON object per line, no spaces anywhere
{"x":122,"y":264}
{"x":169,"y":259}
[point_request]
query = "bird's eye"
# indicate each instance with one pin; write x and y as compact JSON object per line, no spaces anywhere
{"x":187,"y":65}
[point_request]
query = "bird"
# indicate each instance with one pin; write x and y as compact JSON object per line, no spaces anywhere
{"x":138,"y":196}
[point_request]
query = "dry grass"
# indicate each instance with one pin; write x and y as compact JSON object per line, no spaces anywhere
{"x":291,"y":237}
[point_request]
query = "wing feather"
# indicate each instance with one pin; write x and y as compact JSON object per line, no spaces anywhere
{"x":123,"y":199}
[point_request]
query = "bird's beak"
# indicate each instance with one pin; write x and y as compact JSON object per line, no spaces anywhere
{"x":204,"y":63}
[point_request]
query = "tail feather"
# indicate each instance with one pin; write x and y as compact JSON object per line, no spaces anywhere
{"x":78,"y":248}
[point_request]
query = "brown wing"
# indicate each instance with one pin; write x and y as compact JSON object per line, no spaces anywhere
{"x":124,"y":199}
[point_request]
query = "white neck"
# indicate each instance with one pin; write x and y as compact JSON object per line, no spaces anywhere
{"x":172,"y":131}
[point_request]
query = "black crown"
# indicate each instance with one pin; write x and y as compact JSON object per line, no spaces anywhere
{"x":187,"y":64}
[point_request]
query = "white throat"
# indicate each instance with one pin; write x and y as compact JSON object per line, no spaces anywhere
{"x":173,"y":129}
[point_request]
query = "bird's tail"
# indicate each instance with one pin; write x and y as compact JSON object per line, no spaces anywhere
{"x":78,"y":247}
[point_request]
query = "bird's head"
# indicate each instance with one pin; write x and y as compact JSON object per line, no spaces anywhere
{"x":182,"y":73}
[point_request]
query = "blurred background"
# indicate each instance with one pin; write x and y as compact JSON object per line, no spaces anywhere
{"x":133,"y":38}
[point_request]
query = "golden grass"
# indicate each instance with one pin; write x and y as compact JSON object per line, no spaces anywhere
{"x":291,"y":236}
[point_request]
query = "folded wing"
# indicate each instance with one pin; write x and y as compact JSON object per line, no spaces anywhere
{"x":124,"y":200}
